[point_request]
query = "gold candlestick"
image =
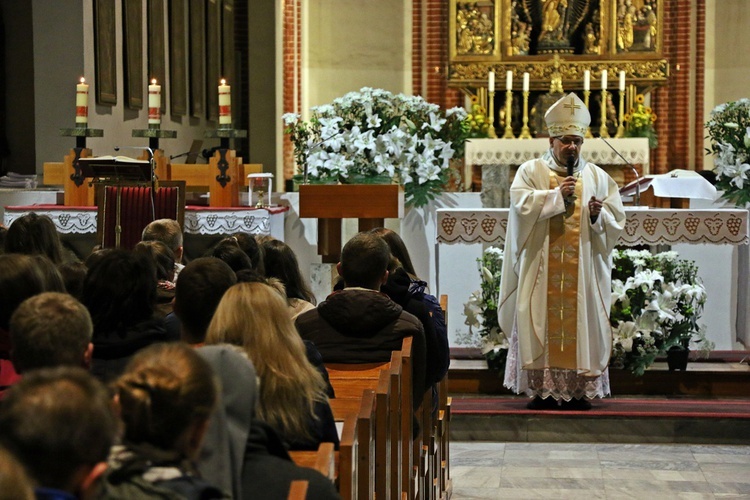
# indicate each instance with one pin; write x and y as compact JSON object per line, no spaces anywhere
{"x":508,"y":106}
{"x":586,"y":94}
{"x":603,"y":128}
{"x":491,"y":115}
{"x":525,"y":132}
{"x":621,"y":118}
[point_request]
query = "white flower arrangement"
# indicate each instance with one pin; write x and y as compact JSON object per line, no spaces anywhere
{"x":729,"y":130}
{"x":657,"y":300}
{"x":481,"y":311}
{"x":374,"y":133}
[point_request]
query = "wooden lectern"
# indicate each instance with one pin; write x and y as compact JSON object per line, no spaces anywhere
{"x":370,"y":203}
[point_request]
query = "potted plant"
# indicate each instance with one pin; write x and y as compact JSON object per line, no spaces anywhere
{"x":639,"y":122}
{"x":657,"y":302}
{"x":481,"y":312}
{"x":375,"y":136}
{"x":729,"y":130}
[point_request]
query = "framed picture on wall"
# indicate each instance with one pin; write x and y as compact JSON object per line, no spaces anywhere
{"x":156,"y":48}
{"x":132,"y":11}
{"x":104,"y":52}
{"x":178,"y":57}
{"x":213,"y":58}
{"x":197,"y":58}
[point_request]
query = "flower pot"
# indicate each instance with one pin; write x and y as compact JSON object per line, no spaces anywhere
{"x":367,"y":179}
{"x":677,"y":358}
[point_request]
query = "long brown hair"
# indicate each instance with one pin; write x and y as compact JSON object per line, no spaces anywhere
{"x":255,"y":317}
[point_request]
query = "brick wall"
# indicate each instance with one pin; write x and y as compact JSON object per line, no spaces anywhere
{"x":671,"y":103}
{"x":435,"y":61}
{"x":292,"y":56}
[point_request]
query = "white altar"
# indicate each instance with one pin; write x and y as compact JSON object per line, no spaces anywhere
{"x":499,"y":155}
{"x":714,"y":236}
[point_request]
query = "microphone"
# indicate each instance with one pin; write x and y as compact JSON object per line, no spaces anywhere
{"x":571,"y":165}
{"x":637,"y":177}
{"x":142,"y":148}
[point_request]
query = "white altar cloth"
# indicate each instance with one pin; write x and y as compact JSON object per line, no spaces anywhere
{"x":516,"y":151}
{"x":649,"y":227}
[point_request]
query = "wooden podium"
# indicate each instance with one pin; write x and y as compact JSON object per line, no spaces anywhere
{"x":329,"y":203}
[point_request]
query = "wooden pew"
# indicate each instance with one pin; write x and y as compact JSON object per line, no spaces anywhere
{"x":443,"y":430}
{"x":324,"y":460}
{"x":298,"y":490}
{"x":408,"y":474}
{"x":383,"y":415}
{"x":366,"y":447}
{"x":348,"y":452}
{"x":395,"y":375}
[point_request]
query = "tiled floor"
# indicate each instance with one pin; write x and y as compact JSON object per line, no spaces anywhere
{"x":599,"y":471}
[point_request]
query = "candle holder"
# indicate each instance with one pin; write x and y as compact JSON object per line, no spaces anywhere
{"x":586,"y":95}
{"x":621,"y":118}
{"x":508,"y":107}
{"x":154,"y":132}
{"x":491,"y":114}
{"x":603,"y":132}
{"x":525,"y":131}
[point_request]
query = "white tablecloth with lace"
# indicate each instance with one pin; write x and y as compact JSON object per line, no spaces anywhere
{"x":643,"y":227}
{"x":198,"y":220}
{"x":516,"y":151}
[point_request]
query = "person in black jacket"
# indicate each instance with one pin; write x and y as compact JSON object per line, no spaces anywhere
{"x":360,"y":324}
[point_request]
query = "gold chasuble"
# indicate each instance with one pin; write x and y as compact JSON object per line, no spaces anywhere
{"x":562,"y":282}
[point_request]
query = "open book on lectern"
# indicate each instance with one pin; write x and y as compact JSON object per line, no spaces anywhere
{"x":641,"y":184}
{"x":116,"y":167}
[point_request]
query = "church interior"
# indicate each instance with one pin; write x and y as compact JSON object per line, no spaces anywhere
{"x":214,"y":113}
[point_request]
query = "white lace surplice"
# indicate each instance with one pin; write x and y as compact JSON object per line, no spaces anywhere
{"x":551,"y":382}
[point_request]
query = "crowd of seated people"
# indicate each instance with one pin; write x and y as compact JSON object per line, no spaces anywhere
{"x":131,"y":375}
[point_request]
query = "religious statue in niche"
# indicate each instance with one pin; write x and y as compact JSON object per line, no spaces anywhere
{"x":637,"y":25}
{"x":558,"y":26}
{"x":475,"y":28}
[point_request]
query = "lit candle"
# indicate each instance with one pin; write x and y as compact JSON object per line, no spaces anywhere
{"x":154,"y":103}
{"x":82,"y":103}
{"x":525,"y":82}
{"x":587,"y":80}
{"x":622,"y":81}
{"x":491,"y":82}
{"x":225,"y":103}
{"x":604,"y":79}
{"x":509,"y":80}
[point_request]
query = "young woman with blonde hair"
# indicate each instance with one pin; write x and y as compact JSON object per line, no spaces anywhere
{"x":293,"y":393}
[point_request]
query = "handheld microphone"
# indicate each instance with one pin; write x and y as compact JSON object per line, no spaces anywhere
{"x":635,"y":171}
{"x":570,"y":165}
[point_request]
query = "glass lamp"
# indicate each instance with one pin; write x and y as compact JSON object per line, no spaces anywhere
{"x":260,"y":187}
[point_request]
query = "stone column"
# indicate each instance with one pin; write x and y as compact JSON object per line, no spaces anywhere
{"x":495,"y":186}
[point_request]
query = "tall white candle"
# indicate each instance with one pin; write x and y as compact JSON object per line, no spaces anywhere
{"x":622,"y":81}
{"x":225,"y":103}
{"x":525,"y":82}
{"x":587,"y":80}
{"x":509,"y":80}
{"x":154,"y":103}
{"x":82,"y":102}
{"x":604,"y":79}
{"x":491,"y":82}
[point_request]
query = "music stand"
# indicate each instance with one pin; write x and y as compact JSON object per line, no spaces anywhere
{"x":116,"y":168}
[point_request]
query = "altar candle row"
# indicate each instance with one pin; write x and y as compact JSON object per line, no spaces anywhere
{"x":154,"y":103}
{"x":508,"y":81}
{"x":586,"y":81}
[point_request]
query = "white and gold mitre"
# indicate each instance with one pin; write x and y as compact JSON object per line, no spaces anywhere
{"x":568,"y":116}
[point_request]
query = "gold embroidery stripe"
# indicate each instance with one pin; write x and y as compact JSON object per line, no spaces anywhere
{"x":562,"y":283}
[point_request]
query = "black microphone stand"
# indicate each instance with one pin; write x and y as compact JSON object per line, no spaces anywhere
{"x":637,"y":176}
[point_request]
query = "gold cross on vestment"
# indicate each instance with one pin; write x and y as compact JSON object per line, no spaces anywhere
{"x":572,"y":106}
{"x":561,"y":335}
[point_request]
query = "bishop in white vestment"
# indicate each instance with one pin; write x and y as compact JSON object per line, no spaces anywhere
{"x":565,"y":218}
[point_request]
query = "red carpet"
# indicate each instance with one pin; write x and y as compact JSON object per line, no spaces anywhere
{"x":622,"y":407}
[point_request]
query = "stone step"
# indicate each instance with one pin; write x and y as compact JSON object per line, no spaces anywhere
{"x":621,"y":419}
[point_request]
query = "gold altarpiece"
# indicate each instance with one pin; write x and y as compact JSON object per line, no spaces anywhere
{"x":524,"y":35}
{"x":556,"y":42}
